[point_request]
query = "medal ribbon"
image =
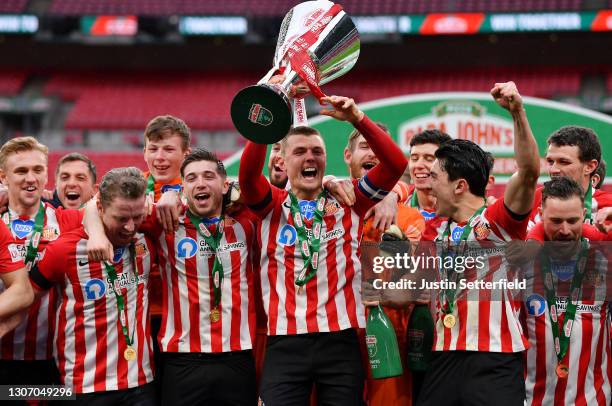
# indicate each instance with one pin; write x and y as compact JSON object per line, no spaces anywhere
{"x":588,"y":204}
{"x":414,"y":200}
{"x":309,"y":247}
{"x":447,"y":296}
{"x":36,"y":235}
{"x":213,"y":243}
{"x":561,"y":339}
{"x":112,"y":275}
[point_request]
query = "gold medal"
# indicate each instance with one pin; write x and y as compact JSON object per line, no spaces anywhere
{"x":562,"y":371}
{"x":449,"y":321}
{"x":129,"y":354}
{"x":215,"y":315}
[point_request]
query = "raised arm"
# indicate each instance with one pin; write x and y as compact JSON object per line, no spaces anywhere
{"x":254,"y":186}
{"x":520,"y":189}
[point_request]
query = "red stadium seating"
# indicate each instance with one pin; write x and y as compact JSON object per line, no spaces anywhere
{"x":129,"y":101}
{"x":276,"y":7}
{"x":13,"y":6}
{"x":12,"y":81}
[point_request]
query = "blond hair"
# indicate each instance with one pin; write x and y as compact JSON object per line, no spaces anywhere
{"x":21,"y":144}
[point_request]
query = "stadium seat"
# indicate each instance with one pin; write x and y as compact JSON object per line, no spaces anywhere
{"x":13,"y":6}
{"x":11,"y":81}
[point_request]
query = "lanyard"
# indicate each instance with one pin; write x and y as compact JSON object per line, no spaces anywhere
{"x":213,"y":243}
{"x":414,"y":200}
{"x":151,"y":186}
{"x":309,"y":247}
{"x":447,"y":296}
{"x":562,"y":338}
{"x":36,"y":235}
{"x":112,"y":275}
{"x":588,"y":203}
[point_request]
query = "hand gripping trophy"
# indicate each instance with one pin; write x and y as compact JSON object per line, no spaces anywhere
{"x":318,"y":42}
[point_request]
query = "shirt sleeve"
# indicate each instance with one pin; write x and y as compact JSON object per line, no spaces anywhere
{"x":537,"y":232}
{"x":503,"y":224}
{"x":50,"y":269}
{"x":403,"y":192}
{"x":10,"y":260}
{"x":69,"y":219}
{"x":150,"y":226}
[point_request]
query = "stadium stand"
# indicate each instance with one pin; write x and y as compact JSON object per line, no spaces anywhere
{"x":13,"y":6}
{"x":272,"y":7}
{"x":11,"y":81}
{"x":128,"y":101}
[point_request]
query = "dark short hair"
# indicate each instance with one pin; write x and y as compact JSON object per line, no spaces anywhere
{"x":355,"y":134}
{"x":74,"y":157}
{"x":430,"y":137}
{"x":299,"y":130}
{"x":490,"y":161}
{"x":563,"y":188}
{"x":601,"y":171}
{"x":462,"y":159}
{"x":584,"y":138}
{"x":127,"y":183}
{"x":202,"y":154}
{"x":161,"y":127}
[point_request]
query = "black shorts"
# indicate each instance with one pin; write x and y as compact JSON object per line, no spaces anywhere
{"x":330,"y":361}
{"x":463,"y":378}
{"x":209,"y":379}
{"x":143,"y":395}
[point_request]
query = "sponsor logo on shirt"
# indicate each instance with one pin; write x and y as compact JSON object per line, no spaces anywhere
{"x":186,"y":248}
{"x":18,"y":252}
{"x":287,"y":235}
{"x":456,"y":234}
{"x":50,"y":234}
{"x":94,"y":289}
{"x":166,"y":188}
{"x":22,"y":228}
{"x":536,"y":305}
{"x":563,"y":270}
{"x":307,"y":208}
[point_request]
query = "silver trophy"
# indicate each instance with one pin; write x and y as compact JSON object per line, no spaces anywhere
{"x":318,"y":42}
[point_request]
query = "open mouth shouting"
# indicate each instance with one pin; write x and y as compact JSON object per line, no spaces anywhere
{"x":202,"y":197}
{"x":309,"y":173}
{"x":367,"y":165}
{"x":73,"y":196}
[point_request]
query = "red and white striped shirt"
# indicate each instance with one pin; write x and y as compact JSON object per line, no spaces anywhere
{"x":89,"y":343}
{"x":7,"y":263}
{"x":331,"y":301}
{"x":185,"y":265}
{"x":33,"y":337}
{"x":482,"y":323}
{"x":600,"y":199}
{"x":589,"y":357}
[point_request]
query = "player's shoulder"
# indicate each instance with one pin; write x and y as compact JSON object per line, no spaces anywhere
{"x":433,"y":228}
{"x":68,"y":241}
{"x":603,"y":197}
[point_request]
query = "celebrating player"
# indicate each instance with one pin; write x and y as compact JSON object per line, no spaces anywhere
{"x":26,"y":352}
{"x":578,"y":370}
{"x":310,"y":285}
{"x":103,"y":343}
{"x":75,"y":181}
{"x":478,"y":342}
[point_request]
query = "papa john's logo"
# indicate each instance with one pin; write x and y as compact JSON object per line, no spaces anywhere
{"x":258,"y":114}
{"x":95,"y":289}
{"x":186,"y":248}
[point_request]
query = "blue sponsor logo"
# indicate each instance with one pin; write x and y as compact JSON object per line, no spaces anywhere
{"x":536,"y":305}
{"x":186,"y":248}
{"x":287,"y":235}
{"x":22,"y":228}
{"x":118,"y":254}
{"x":95,"y":289}
{"x":165,"y":188}
{"x":456,"y":235}
{"x":563,"y":270}
{"x":307,"y":208}
{"x":428,"y":215}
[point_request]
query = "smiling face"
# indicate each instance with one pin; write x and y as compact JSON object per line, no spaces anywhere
{"x":360,"y":159}
{"x":121,"y":219}
{"x":204,"y":188}
{"x":25,"y":175}
{"x":164,"y":157}
{"x":74,"y":184}
{"x":421,"y":161}
{"x":305,"y":160}
{"x":276,"y":167}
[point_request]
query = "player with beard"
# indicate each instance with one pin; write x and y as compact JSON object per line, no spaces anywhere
{"x":311,"y":287}
{"x":575,"y":152}
{"x":103,"y":339}
{"x":26,"y":352}
{"x":478,"y":342}
{"x":75,"y":181}
{"x":579,"y":369}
